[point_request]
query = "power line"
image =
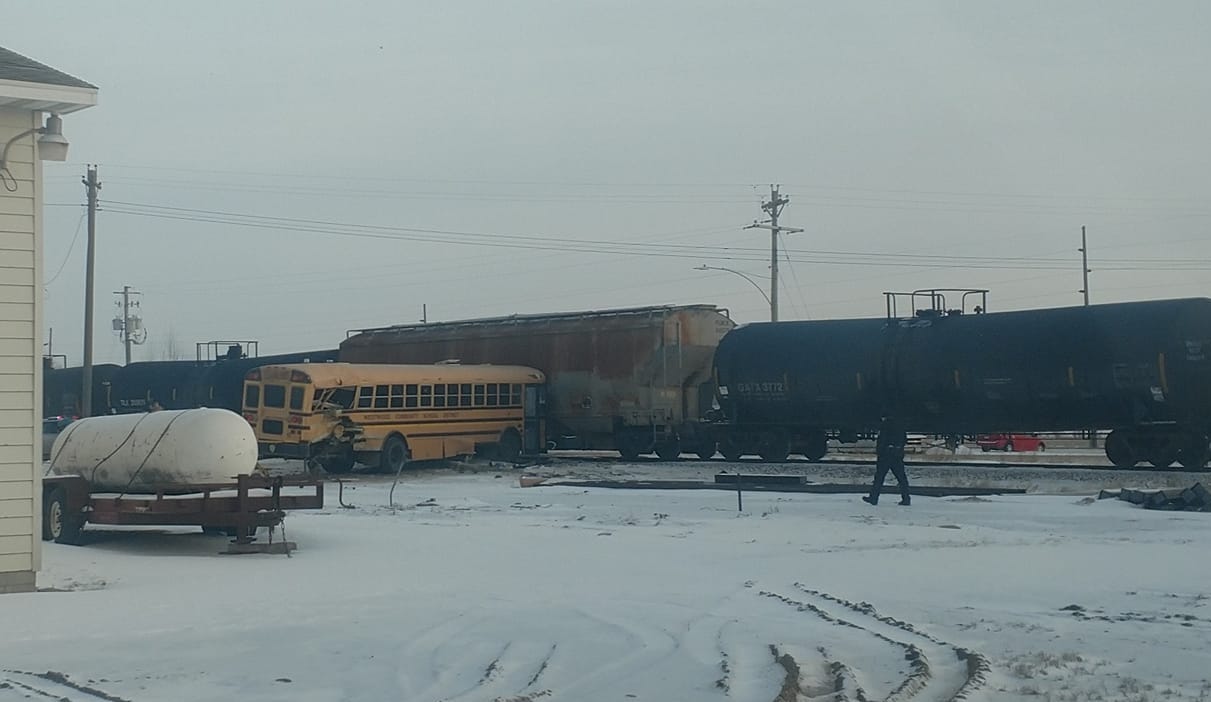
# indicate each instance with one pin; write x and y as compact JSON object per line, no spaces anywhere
{"x":71,"y":246}
{"x":528,"y":242}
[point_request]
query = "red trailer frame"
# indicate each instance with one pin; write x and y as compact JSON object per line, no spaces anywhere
{"x":239,"y":508}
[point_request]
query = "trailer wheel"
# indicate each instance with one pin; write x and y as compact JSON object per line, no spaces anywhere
{"x":394,"y":454}
{"x":63,"y":527}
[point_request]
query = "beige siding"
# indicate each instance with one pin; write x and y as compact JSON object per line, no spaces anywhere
{"x":20,"y":348}
{"x":16,"y":508}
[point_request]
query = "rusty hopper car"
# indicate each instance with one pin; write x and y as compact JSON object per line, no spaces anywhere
{"x":637,"y":380}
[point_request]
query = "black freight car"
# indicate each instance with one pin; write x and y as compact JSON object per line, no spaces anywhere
{"x":1140,"y":369}
{"x":171,"y":384}
{"x":62,"y":389}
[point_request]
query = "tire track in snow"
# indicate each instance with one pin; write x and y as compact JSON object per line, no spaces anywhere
{"x":512,"y":674}
{"x":939,"y":672}
{"x":52,"y":686}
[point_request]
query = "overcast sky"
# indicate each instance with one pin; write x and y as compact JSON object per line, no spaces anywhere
{"x":336,"y":167}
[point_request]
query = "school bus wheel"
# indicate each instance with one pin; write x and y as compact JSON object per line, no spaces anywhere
{"x":393,"y":455}
{"x":508,"y":448}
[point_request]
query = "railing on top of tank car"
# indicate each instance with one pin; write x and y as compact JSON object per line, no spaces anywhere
{"x":937,"y":305}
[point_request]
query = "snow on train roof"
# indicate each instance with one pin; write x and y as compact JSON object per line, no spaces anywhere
{"x":543,"y":317}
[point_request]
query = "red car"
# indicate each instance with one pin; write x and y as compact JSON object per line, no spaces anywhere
{"x":1010,"y":442}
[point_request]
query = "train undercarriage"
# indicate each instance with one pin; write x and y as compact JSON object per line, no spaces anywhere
{"x":1159,"y":445}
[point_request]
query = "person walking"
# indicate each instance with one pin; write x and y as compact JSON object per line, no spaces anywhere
{"x":889,"y":456}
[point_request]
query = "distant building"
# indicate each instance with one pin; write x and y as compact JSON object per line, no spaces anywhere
{"x":31,"y":98}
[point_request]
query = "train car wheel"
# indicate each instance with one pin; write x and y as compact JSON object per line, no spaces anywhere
{"x":774,"y":447}
{"x":731,"y":449}
{"x":631,"y":443}
{"x":816,"y":446}
{"x":1119,"y":451}
{"x":706,"y":449}
{"x":1193,"y":455}
{"x":1163,"y":457}
{"x":668,"y":449}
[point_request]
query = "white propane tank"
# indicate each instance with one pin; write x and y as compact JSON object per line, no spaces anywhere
{"x":136,"y":452}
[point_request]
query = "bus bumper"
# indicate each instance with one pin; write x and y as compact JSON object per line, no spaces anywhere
{"x":276,"y":450}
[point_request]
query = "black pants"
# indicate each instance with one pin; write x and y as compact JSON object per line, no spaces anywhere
{"x":896,"y":465}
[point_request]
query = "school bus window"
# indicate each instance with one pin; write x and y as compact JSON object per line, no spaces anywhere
{"x":296,"y":398}
{"x":464,"y":395}
{"x":397,"y":396}
{"x":493,"y":398}
{"x":365,"y":397}
{"x":516,"y":401}
{"x":439,"y":395}
{"x":252,"y":396}
{"x":411,"y":394}
{"x":452,"y":395}
{"x":426,"y":396}
{"x":381,"y":396}
{"x":275,"y":396}
{"x":479,"y":395}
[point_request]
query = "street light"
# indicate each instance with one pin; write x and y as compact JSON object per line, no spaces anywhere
{"x":752,"y":282}
{"x":52,"y":146}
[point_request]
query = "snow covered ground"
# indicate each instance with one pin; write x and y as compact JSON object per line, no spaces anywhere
{"x":473,"y":588}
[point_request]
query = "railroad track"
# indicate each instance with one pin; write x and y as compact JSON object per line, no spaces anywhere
{"x":910,"y":460}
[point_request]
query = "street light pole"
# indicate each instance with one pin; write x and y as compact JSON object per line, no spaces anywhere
{"x":752,"y":282}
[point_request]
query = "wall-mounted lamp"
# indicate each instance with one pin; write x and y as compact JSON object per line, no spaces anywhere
{"x":52,"y":146}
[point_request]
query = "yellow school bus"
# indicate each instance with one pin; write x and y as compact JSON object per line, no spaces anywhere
{"x":336,"y":414}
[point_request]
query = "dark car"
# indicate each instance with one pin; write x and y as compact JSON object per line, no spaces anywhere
{"x":51,"y":426}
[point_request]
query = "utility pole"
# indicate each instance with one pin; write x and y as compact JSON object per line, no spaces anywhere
{"x":129,"y":325}
{"x":1085,"y":291}
{"x":1084,"y":266}
{"x":86,"y":395}
{"x":774,"y":208}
